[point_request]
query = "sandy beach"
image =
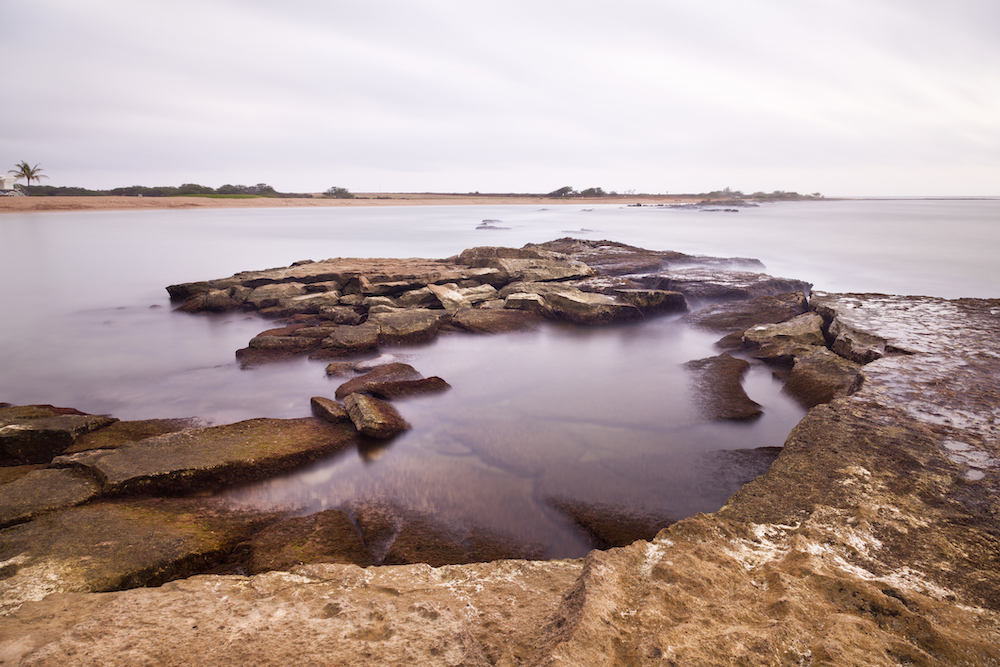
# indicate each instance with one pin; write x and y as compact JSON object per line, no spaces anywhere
{"x":23,"y":204}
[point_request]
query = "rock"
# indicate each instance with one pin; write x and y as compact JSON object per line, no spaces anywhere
{"x":490,"y":321}
{"x":35,"y":434}
{"x":331,"y":411}
{"x":120,"y":433}
{"x":785,"y":341}
{"x":341,"y":369}
{"x":266,"y":296}
{"x":373,"y":417}
{"x":43,"y":491}
{"x":390,"y":372}
{"x":416,"y":325}
{"x":324,"y":537}
{"x":719,"y":388}
{"x":611,"y":525}
{"x":215,"y":301}
{"x":410,"y":615}
{"x":653,"y":302}
{"x":579,"y":307}
{"x":821,"y":376}
{"x":532,"y":303}
{"x":110,"y":545}
{"x":417,"y":298}
{"x":212,"y":457}
{"x":702,"y":286}
{"x":345,"y":341}
{"x":393,"y":389}
{"x":611,"y":258}
{"x":341,"y":315}
{"x":449,"y":297}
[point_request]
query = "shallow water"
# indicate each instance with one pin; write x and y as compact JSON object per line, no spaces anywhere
{"x":599,"y":415}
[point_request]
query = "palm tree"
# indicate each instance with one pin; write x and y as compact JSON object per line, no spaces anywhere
{"x":27,"y":172}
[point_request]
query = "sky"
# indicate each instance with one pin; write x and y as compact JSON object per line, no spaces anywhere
{"x":842,"y":97}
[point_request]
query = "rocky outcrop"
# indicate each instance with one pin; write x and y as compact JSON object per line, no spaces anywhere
{"x":341,"y":308}
{"x":390,"y":372}
{"x":42,"y":491}
{"x":819,"y":376}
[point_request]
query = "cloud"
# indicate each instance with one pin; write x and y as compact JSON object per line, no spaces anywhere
{"x":454,"y":96}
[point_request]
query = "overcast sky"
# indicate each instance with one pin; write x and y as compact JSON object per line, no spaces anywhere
{"x":844,"y":97}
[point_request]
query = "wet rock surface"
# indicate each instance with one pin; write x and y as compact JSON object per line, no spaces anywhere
{"x":35,"y":434}
{"x":719,"y":388}
{"x":871,"y":539}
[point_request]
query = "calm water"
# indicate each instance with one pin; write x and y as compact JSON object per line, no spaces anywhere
{"x":596,"y":415}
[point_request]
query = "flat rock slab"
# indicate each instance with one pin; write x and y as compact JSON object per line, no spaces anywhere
{"x":213,"y":457}
{"x":719,"y":388}
{"x":109,"y":545}
{"x":123,"y":432}
{"x":390,"y":372}
{"x":329,"y":410}
{"x":35,"y":434}
{"x":738,"y":316}
{"x":785,"y":341}
{"x":492,"y":321}
{"x":43,"y":491}
{"x":702,"y":285}
{"x":394,"y":389}
{"x":409,"y":615}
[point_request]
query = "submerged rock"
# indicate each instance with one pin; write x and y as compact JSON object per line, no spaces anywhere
{"x":391,"y":372}
{"x":324,"y":537}
{"x":719,"y":388}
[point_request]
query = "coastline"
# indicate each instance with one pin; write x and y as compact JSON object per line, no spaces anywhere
{"x":111,"y":203}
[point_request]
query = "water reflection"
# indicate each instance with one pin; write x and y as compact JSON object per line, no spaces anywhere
{"x":536,"y":422}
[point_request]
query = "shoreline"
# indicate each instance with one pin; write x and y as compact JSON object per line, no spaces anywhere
{"x":113,"y":203}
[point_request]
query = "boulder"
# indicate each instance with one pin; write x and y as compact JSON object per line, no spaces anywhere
{"x":785,"y":341}
{"x":738,"y":316}
{"x":324,"y":537}
{"x":821,"y":376}
{"x":406,"y":327}
{"x":417,"y":298}
{"x":341,"y":369}
{"x":393,"y":389}
{"x":390,"y":372}
{"x":718,"y":386}
{"x":331,"y":411}
{"x":449,"y":297}
{"x":341,"y":314}
{"x":43,"y":491}
{"x":346,"y":340}
{"x":211,"y":457}
{"x":35,"y":434}
{"x":373,"y":417}
{"x":490,"y":321}
{"x":578,"y":307}
{"x":705,"y":285}
{"x":215,"y":301}
{"x":653,"y":302}
{"x":532,"y":303}
{"x":266,"y":296}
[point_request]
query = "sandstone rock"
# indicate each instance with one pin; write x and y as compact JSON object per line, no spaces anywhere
{"x":610,"y":525}
{"x":212,"y":457}
{"x":331,"y":411}
{"x":653,"y":302}
{"x":43,"y":433}
{"x":390,"y":372}
{"x":785,"y":341}
{"x":341,"y":369}
{"x":324,"y":537}
{"x":532,"y":303}
{"x":702,"y":286}
{"x":110,"y":545}
{"x":449,"y":297}
{"x":417,"y":298}
{"x":345,"y":341}
{"x":266,"y":296}
{"x":821,"y":376}
{"x":719,"y":388}
{"x":120,"y":433}
{"x":416,"y":325}
{"x":611,"y":258}
{"x":489,"y":321}
{"x":579,"y":307}
{"x":341,"y":315}
{"x":373,"y":417}
{"x":410,"y":615}
{"x":215,"y":301}
{"x":393,"y":389}
{"x":43,"y":491}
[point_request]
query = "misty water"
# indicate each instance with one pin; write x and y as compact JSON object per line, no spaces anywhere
{"x":594,"y":415}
